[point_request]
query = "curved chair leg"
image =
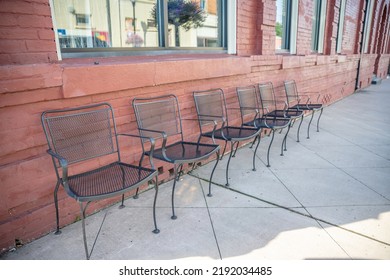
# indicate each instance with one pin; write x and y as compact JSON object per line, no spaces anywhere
{"x":57,"y":232}
{"x":254,"y":154}
{"x":299,"y":128}
{"x":308,"y":127}
{"x":174,"y":217}
{"x":139,"y":164}
{"x":235,"y":150}
{"x":227,"y":166}
{"x":82,"y":211}
{"x":212,"y":174}
{"x":318,"y":121}
{"x":253,"y":143}
{"x":284,"y":143}
{"x":156,"y":230}
{"x":224,"y":149}
{"x":269,"y":147}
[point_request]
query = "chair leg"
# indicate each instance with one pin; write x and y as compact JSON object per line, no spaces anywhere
{"x":254,"y":154}
{"x":227,"y":166}
{"x":180,"y":173}
{"x":299,"y":128}
{"x":174,"y":217}
{"x":235,"y":150}
{"x":284,"y":143}
{"x":308,"y":127}
{"x":212,"y":174}
{"x":224,"y":149}
{"x":253,"y":143}
{"x":156,"y":230}
{"x":57,"y":232}
{"x":139,"y":164}
{"x":82,"y":212}
{"x":318,"y":121}
{"x":269,"y":147}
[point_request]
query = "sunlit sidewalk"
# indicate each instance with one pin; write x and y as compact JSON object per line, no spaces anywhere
{"x":328,"y":197}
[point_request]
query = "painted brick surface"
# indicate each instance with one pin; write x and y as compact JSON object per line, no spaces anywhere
{"x":32,"y":81}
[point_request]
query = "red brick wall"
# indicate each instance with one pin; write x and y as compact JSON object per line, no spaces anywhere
{"x":31,"y":81}
{"x":26,"y":35}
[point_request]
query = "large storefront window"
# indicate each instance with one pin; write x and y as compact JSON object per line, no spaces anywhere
{"x":108,"y":26}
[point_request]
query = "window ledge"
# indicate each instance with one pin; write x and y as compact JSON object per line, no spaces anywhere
{"x":88,"y":76}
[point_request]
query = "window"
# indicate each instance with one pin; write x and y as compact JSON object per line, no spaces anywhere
{"x":340,"y":27}
{"x":126,"y":27}
{"x":367,"y":24}
{"x":318,"y":26}
{"x":286,"y":25}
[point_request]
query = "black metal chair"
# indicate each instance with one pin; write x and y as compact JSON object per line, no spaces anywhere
{"x":160,"y":118}
{"x":294,"y":98}
{"x":254,"y":114}
{"x":84,"y":133}
{"x":270,"y":102}
{"x":212,"y":112}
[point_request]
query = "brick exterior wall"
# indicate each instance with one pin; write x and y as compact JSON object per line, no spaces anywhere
{"x":32,"y":80}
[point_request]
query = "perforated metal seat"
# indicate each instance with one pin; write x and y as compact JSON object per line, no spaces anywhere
{"x":253,"y":113}
{"x":271,"y":103}
{"x":212,"y":112}
{"x":160,"y":118}
{"x":107,"y":181}
{"x":79,"y":134}
{"x":294,"y":99}
{"x":184,"y":152}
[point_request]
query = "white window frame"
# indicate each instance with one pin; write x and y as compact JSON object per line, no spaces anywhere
{"x":228,"y":37}
{"x":340,"y":30}
{"x":367,"y":26}
{"x":321,"y":35}
{"x":294,"y":27}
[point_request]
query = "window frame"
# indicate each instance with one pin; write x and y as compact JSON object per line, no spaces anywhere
{"x":227,"y":20}
{"x":367,"y":25}
{"x":318,"y":32}
{"x":289,"y":35}
{"x":340,"y":26}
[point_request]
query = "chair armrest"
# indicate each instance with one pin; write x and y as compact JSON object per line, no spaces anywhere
{"x":164,"y":143}
{"x":152,"y":144}
{"x":63,"y":163}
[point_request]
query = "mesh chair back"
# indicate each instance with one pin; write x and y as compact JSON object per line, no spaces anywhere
{"x":247,"y":100}
{"x":267,"y":97}
{"x":81,"y":133}
{"x":160,"y":113}
{"x":210,"y":104}
{"x":291,"y":91}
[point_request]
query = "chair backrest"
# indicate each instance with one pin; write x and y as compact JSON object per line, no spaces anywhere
{"x":291,"y":91}
{"x":81,"y":133}
{"x":267,"y":97}
{"x":210,"y":104}
{"x":248,"y":101}
{"x":160,"y":113}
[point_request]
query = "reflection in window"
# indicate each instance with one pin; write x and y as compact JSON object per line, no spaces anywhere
{"x":318,"y":26}
{"x":340,"y":26}
{"x":136,"y":23}
{"x":283,"y":22}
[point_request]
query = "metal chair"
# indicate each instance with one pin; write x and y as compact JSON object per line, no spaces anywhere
{"x":255,"y":115}
{"x":212,"y":111}
{"x":270,"y":102}
{"x":293,"y":97}
{"x":84,"y":133}
{"x":160,"y":118}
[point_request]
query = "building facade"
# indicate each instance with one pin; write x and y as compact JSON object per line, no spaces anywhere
{"x":57,"y":54}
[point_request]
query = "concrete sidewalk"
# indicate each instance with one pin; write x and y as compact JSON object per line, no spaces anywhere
{"x":328,"y":197}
